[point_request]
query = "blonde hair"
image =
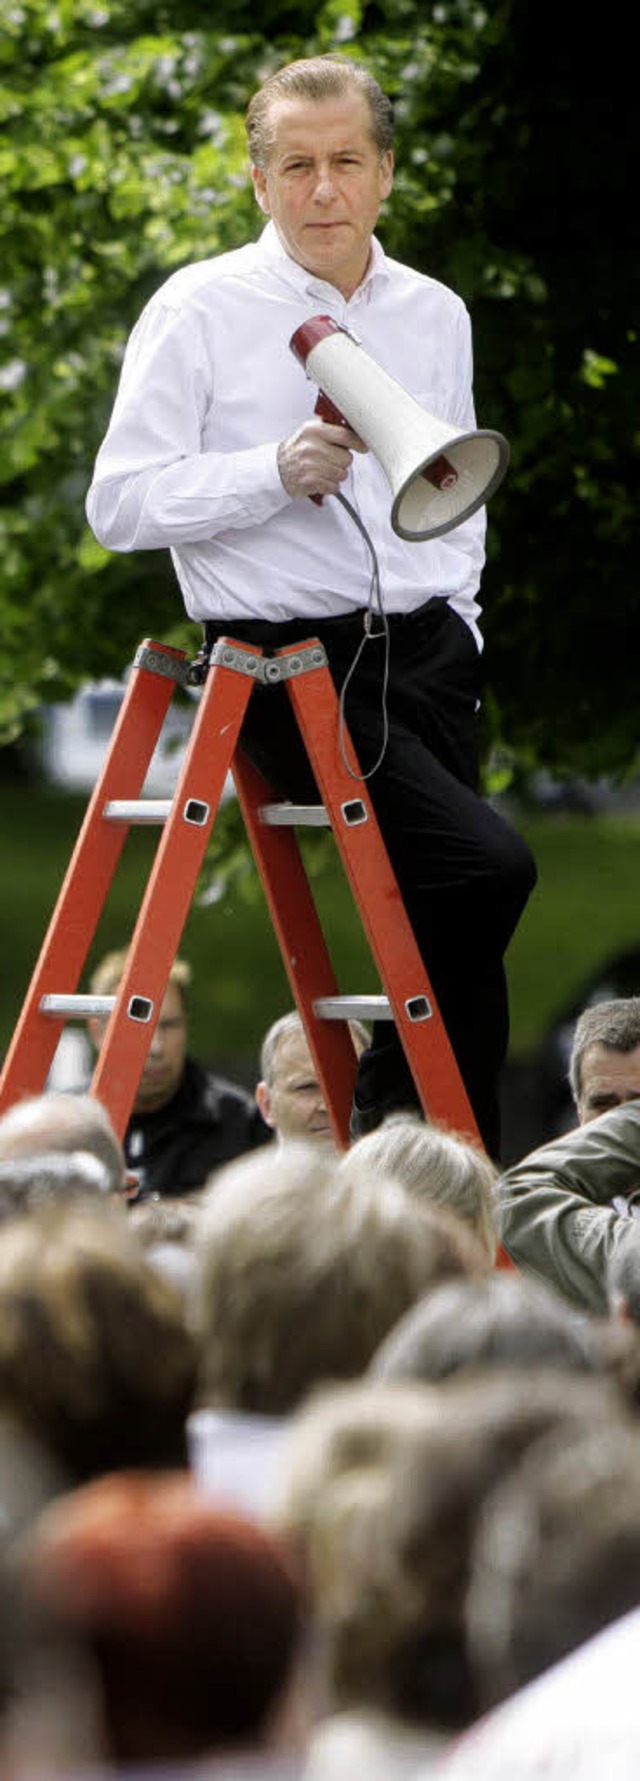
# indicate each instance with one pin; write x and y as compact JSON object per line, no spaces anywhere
{"x":304,"y":1273}
{"x":108,"y":974}
{"x":434,"y":1164}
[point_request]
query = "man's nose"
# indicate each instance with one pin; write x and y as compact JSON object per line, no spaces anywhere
{"x":324,"y":188}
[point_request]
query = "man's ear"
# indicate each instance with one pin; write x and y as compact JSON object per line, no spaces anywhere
{"x":263,"y":1101}
{"x":260,"y":189}
{"x":96,"y":1028}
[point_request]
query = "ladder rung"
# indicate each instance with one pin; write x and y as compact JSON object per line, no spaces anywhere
{"x":78,"y":1007}
{"x":289,"y":816}
{"x":138,"y":810}
{"x":353,"y":1008}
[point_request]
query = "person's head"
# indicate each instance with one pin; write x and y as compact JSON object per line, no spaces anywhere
{"x":57,"y":1122}
{"x":189,"y":1615}
{"x":165,"y":1060}
{"x":436,"y":1165}
{"x":604,"y":1067}
{"x":303,"y":1274}
{"x":27,"y":1182}
{"x":95,"y":1356}
{"x":381,"y":1498}
{"x":289,"y":1093}
{"x":557,"y":1555}
{"x":502,"y":1320}
{"x":320,"y":135}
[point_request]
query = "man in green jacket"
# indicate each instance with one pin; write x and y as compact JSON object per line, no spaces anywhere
{"x":566,"y":1210}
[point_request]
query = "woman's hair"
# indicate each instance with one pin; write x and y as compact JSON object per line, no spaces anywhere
{"x":501,"y":1320}
{"x":304,"y":1272}
{"x":188,"y":1613}
{"x":436,"y":1165}
{"x":95,"y":1356}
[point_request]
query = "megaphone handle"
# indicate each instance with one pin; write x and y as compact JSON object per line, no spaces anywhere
{"x":327,"y":412}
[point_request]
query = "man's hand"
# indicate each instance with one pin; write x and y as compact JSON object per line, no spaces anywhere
{"x":316,"y":459}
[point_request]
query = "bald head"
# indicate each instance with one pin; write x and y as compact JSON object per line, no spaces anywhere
{"x":62,"y":1122}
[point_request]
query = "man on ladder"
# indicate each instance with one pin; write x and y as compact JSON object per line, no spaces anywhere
{"x":212,"y":452}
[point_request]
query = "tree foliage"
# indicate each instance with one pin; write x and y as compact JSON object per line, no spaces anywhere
{"x":122,"y":156}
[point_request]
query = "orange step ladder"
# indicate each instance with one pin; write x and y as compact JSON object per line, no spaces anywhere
{"x":187,"y":820}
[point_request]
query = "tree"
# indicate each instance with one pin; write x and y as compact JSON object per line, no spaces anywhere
{"x":122,"y":156}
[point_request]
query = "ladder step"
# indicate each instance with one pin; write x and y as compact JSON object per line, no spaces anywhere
{"x":352,"y":1008}
{"x":289,"y":816}
{"x":76,"y":1007}
{"x":137,"y":810}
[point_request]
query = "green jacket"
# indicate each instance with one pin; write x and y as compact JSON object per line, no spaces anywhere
{"x":555,"y":1213}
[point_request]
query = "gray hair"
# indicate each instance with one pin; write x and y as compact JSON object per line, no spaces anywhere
{"x":434,"y":1164}
{"x":316,"y":78}
{"x":615,"y":1024}
{"x":292,"y":1023}
{"x":64,"y":1123}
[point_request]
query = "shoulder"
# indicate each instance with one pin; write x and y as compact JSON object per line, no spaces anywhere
{"x":202,"y":278}
{"x":409,"y":281}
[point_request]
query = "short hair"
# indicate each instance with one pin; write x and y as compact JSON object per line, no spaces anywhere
{"x":189,"y":1613}
{"x":385,"y":1517}
{"x":95,"y":1355}
{"x":557,"y":1556}
{"x":107,"y":976}
{"x":293,"y":1023}
{"x":62,"y":1122}
{"x":303,"y":1274}
{"x":615,"y":1024}
{"x":30,"y":1181}
{"x":437,"y":1164}
{"x":316,"y":78}
{"x":502,"y":1321}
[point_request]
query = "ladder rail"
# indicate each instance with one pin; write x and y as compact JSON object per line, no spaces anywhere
{"x":89,"y":874}
{"x":170,"y":887}
{"x":303,"y":947}
{"x":375,"y":891}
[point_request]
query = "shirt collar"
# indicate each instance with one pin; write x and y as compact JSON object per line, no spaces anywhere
{"x":273,"y":254}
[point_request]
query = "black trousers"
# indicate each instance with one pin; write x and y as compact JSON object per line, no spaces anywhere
{"x":463,"y":872}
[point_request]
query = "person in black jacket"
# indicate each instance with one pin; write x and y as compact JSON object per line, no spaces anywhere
{"x":186,"y":1120}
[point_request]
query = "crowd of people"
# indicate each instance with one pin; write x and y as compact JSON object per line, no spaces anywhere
{"x":296,"y":1480}
{"x":316,"y":1464}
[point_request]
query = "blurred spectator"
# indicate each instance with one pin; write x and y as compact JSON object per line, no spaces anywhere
{"x":557,"y":1555}
{"x":95,"y":1357}
{"x":189,"y":1621}
{"x":186,"y":1120}
{"x":381,"y":1499}
{"x":41,"y":1124}
{"x":436,"y":1165}
{"x":32,"y":1181}
{"x":289,"y":1093}
{"x":302,"y":1274}
{"x":502,"y":1321}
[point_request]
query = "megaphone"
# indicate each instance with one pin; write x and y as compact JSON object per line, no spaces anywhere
{"x":437,"y":477}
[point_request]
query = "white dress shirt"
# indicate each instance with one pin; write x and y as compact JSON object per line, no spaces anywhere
{"x":209,"y":388}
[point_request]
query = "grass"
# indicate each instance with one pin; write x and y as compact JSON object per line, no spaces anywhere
{"x":584,"y":910}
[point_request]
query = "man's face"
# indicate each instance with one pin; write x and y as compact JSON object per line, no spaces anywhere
{"x":294,"y":1103}
{"x":165,"y":1058}
{"x":324,"y":184}
{"x":607,"y":1079}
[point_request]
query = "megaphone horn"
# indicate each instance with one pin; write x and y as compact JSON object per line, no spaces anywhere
{"x":437,"y":477}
